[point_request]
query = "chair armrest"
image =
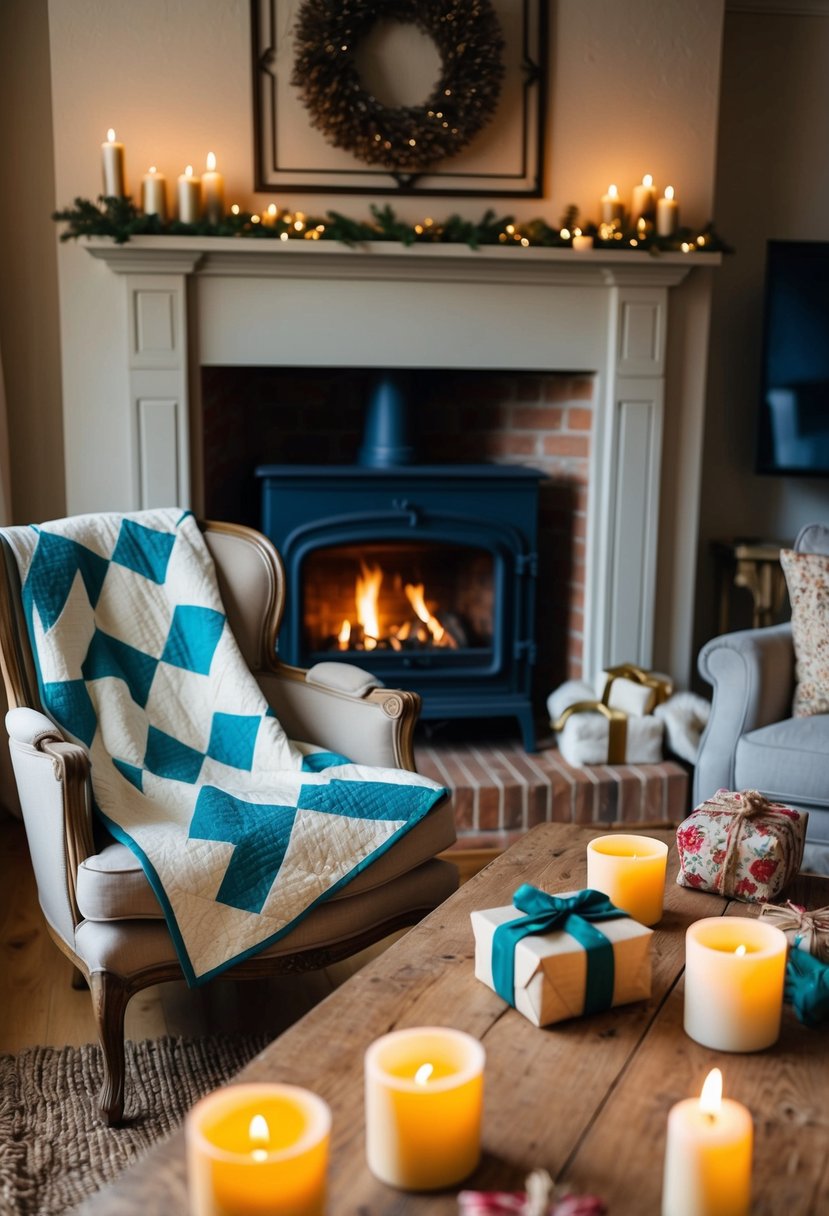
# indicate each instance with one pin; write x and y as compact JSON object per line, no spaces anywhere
{"x":344,"y":712}
{"x":30,"y":726}
{"x":52,"y":777}
{"x":752,"y":674}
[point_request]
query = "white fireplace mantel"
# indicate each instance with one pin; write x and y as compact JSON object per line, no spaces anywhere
{"x":192,"y":302}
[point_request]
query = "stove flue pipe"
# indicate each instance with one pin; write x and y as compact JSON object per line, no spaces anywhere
{"x":386,"y":438}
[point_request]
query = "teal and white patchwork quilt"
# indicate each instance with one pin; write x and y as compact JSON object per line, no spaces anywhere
{"x":241,"y":832}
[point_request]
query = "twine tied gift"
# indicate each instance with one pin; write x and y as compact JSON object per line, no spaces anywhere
{"x":791,"y":918}
{"x":742,"y":808}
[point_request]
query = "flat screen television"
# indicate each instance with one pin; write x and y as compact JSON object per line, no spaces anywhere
{"x":794,"y":397}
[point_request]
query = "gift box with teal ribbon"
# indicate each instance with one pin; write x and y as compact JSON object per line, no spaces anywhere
{"x":562,"y":956}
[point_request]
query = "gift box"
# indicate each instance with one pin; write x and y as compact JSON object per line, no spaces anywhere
{"x":632,"y":689}
{"x":742,"y":845}
{"x":562,"y":956}
{"x":590,"y":732}
{"x":805,"y":930}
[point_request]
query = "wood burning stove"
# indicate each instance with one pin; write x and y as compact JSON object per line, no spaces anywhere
{"x":422,"y":574}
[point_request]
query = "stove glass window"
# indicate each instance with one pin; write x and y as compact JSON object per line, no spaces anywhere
{"x":398,"y":596}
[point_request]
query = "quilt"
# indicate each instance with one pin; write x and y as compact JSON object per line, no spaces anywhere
{"x":241,"y":831}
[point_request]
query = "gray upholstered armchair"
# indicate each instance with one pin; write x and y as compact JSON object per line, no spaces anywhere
{"x":752,"y":741}
{"x":99,"y":906}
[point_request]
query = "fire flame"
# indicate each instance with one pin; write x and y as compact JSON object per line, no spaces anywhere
{"x":414,"y":594}
{"x":370,"y":627}
{"x":367,"y":595}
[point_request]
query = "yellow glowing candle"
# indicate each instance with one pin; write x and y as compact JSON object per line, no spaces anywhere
{"x":734,"y":972}
{"x":112,"y":162}
{"x":644,"y":199}
{"x":254,"y":1150}
{"x":213,"y":191}
{"x":424,"y":1102}
{"x":154,"y":193}
{"x":630,"y":871}
{"x":612,"y":208}
{"x":189,"y":197}
{"x":270,"y":215}
{"x":708,"y":1155}
{"x":667,"y":213}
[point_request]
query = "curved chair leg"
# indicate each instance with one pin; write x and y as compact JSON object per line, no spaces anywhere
{"x":110,"y":996}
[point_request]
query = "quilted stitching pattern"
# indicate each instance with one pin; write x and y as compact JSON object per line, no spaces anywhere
{"x":239,"y":832}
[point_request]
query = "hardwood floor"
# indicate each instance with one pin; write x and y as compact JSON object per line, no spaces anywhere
{"x":39,"y":1006}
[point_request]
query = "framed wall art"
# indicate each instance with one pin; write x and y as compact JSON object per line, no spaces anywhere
{"x":399,"y":96}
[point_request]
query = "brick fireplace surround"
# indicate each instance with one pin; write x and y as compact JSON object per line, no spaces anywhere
{"x":573,"y":346}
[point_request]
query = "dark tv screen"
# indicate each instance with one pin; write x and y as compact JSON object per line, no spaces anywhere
{"x":794,"y":401}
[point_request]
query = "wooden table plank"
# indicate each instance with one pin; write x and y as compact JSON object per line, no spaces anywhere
{"x":784,"y":1087}
{"x":554,"y":1097}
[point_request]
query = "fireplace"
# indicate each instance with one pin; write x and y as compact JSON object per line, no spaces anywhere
{"x":424,"y":575}
{"x":179,"y":305}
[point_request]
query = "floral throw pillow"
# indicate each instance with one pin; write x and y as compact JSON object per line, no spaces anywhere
{"x":807,"y":577}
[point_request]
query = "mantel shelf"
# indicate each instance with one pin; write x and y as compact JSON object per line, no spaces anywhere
{"x":389,"y":260}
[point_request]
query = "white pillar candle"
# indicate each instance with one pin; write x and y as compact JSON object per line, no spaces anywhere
{"x":582,"y":243}
{"x":667,"y":213}
{"x":112,"y":161}
{"x":630,"y":871}
{"x":154,"y":194}
{"x":424,"y":1103}
{"x":708,"y":1155}
{"x":644,"y":199}
{"x":213,"y":191}
{"x":612,"y":208}
{"x":189,"y":197}
{"x":734,"y":972}
{"x":258,"y":1149}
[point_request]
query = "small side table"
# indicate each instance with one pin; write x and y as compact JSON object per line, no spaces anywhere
{"x":755,"y":565}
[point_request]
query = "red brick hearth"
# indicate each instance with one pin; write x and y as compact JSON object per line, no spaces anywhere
{"x":499,"y":791}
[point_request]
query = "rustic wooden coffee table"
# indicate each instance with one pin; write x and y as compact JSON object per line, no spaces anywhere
{"x":588,"y":1099}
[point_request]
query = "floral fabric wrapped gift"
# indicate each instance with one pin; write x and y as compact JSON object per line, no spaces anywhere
{"x":563,"y":955}
{"x":740,"y":844}
{"x":805,"y":930}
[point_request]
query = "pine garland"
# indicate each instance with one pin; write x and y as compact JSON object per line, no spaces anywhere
{"x":120,"y":219}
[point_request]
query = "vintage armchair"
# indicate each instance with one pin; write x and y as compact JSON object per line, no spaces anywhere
{"x":98,"y":904}
{"x":752,"y":741}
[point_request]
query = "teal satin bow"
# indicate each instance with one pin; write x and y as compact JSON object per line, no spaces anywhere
{"x":573,"y":915}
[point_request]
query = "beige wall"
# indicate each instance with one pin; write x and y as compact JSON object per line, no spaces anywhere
{"x":29,"y":334}
{"x":772,"y":182}
{"x":634,"y":89}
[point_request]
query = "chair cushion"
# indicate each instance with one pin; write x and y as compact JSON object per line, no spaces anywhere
{"x":807,"y":577}
{"x":111,"y":885}
{"x":788,"y":761}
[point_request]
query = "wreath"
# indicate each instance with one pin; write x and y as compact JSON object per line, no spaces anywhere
{"x":404,"y":138}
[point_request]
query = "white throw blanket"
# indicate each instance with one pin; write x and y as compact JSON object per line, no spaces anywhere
{"x":240,"y":831}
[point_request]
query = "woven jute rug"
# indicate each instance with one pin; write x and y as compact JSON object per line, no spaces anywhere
{"x":54,"y":1152}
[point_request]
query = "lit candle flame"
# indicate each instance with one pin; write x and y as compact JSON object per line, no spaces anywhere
{"x":111,"y":135}
{"x":152,"y":169}
{"x":260,"y":1134}
{"x":710,"y":1100}
{"x":188,"y":171}
{"x":211,"y":162}
{"x":613,"y":191}
{"x":272,"y":209}
{"x":424,"y":1073}
{"x":669,"y":192}
{"x":647,"y":180}
{"x":740,"y":951}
